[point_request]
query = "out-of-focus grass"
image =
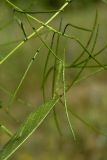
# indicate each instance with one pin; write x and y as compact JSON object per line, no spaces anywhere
{"x":88,"y":98}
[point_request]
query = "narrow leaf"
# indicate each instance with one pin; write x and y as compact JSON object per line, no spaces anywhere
{"x":27,"y":128}
{"x":57,"y":78}
{"x":65,"y":101}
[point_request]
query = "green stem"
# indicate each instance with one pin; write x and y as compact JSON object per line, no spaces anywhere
{"x":6,"y":130}
{"x":38,"y":30}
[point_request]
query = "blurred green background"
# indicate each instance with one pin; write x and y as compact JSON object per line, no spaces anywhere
{"x":88,"y":98}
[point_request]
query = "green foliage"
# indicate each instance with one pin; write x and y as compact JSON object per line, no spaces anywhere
{"x":27,"y":128}
{"x":59,"y":67}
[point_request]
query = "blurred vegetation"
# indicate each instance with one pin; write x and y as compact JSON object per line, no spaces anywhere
{"x":83,"y":3}
{"x":88,"y":98}
{"x":58,"y":3}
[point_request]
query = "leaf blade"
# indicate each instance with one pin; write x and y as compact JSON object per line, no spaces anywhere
{"x":27,"y":128}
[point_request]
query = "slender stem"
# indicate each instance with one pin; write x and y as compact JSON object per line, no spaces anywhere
{"x":89,"y":66}
{"x":6,"y":130}
{"x":38,"y":30}
{"x":96,"y":54}
{"x":65,"y":101}
{"x":36,"y":12}
{"x":23,"y":77}
{"x":45,"y":73}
